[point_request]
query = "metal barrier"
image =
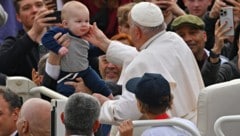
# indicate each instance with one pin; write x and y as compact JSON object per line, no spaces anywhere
{"x":224,"y":119}
{"x":48,"y":92}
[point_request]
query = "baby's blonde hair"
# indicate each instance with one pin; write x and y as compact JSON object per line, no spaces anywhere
{"x":72,"y":6}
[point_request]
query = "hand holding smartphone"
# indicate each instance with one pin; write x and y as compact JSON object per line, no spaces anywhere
{"x":56,"y":14}
{"x":226,"y":16}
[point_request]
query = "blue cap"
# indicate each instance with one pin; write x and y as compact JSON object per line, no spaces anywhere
{"x":149,"y":88}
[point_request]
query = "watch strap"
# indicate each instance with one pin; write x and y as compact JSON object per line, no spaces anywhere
{"x":213,"y":55}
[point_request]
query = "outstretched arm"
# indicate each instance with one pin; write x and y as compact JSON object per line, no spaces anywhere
{"x":97,"y":38}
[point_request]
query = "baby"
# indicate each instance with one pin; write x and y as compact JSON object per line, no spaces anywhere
{"x":74,"y":61}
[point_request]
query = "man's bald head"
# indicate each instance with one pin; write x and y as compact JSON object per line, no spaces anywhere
{"x":37,"y":113}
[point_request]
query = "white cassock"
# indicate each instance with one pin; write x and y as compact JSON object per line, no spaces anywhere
{"x":165,"y":53}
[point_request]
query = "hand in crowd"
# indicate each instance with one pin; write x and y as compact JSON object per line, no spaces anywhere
{"x":126,"y":128}
{"x":79,"y":86}
{"x":50,"y":4}
{"x":36,"y":78}
{"x":101,"y":98}
{"x":215,"y":10}
{"x":218,"y":4}
{"x":40,"y":24}
{"x":170,"y":5}
{"x":219,"y":40}
{"x":219,"y":37}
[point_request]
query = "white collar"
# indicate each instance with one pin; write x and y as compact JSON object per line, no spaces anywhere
{"x":14,"y":133}
{"x":149,"y":41}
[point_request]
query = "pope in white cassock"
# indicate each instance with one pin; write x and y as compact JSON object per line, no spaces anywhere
{"x":157,"y":51}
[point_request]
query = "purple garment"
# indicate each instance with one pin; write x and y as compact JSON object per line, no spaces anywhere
{"x":12,"y":26}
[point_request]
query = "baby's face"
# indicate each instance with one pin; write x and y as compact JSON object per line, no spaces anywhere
{"x":78,"y":23}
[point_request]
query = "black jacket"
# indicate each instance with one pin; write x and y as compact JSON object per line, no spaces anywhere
{"x":18,"y":55}
{"x":2,"y":79}
{"x":215,"y":73}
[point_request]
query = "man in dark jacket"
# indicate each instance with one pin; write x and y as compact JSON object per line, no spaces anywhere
{"x":19,"y":55}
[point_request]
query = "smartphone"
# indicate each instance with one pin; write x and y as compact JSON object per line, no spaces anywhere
{"x":226,"y":15}
{"x":56,"y":14}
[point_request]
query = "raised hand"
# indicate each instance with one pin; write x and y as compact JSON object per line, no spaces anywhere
{"x":170,"y":6}
{"x":219,"y":37}
{"x":40,"y":24}
{"x":215,"y":10}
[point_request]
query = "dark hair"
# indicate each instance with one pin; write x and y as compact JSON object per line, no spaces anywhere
{"x":11,"y":98}
{"x":165,"y":104}
{"x":234,"y":49}
{"x":16,"y":5}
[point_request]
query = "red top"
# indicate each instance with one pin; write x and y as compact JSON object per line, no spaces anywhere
{"x":162,"y":116}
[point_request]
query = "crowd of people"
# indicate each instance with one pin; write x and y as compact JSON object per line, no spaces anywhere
{"x":116,"y":60}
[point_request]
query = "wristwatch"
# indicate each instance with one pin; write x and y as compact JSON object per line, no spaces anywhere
{"x":213,"y":55}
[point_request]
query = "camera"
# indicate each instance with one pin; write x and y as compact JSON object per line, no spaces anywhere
{"x":226,"y":15}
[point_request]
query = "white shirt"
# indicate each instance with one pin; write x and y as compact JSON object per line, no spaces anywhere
{"x":170,"y":130}
{"x":165,"y":53}
{"x":14,"y":133}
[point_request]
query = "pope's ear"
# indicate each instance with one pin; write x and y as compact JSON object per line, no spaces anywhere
{"x":138,"y":32}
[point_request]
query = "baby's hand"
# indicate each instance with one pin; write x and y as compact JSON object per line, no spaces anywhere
{"x":63,"y":51}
